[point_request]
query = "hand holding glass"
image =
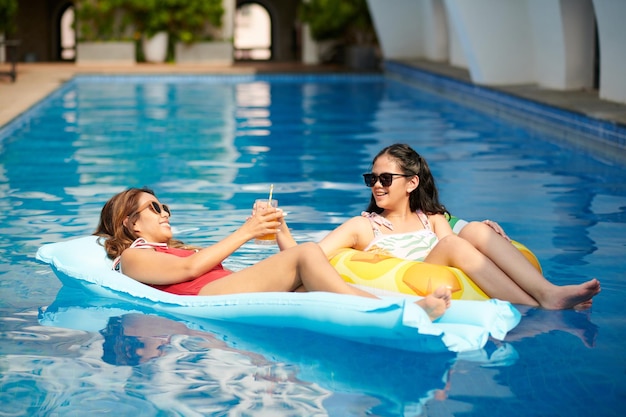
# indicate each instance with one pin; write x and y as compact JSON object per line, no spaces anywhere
{"x":268,"y":239}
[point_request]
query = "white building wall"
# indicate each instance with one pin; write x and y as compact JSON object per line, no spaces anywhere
{"x":228,"y":19}
{"x":579,"y":29}
{"x":456,"y":52}
{"x":434,"y":22}
{"x":504,"y":42}
{"x":611,"y":19}
{"x":496,"y":38}
{"x":398,"y":27}
{"x":548,"y":42}
{"x":564,"y":43}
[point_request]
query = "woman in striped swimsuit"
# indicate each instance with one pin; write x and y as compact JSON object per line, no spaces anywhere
{"x":405,"y":219}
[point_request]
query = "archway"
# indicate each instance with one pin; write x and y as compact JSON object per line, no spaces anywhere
{"x":64,"y":27}
{"x":252,"y":33}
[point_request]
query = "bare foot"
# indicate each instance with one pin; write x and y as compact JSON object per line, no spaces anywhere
{"x":573,"y":296}
{"x":437,"y":303}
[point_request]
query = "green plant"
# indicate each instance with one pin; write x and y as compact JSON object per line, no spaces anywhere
{"x":102,"y":20}
{"x":345,"y":20}
{"x":184,"y":20}
{"x":8,"y":12}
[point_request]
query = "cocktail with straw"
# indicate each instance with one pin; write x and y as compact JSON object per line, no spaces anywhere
{"x":268,"y":239}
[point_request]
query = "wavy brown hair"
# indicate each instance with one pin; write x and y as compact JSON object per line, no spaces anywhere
{"x":118,"y":237}
{"x":425,"y":197}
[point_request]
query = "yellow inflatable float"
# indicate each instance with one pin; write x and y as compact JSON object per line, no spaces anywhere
{"x":410,"y":277}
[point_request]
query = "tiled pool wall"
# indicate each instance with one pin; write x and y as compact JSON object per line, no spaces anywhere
{"x":603,"y":139}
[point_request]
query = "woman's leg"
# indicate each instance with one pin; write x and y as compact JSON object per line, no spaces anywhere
{"x":508,"y":272}
{"x":523,"y":273}
{"x":304,"y":265}
{"x":459,"y":253}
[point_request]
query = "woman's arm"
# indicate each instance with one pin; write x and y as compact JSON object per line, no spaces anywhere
{"x":153,"y":267}
{"x":497,"y":228}
{"x":355,"y":233}
{"x":284,"y":238}
{"x":440,"y":225}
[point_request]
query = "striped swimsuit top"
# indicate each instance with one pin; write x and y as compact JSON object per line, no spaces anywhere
{"x":413,"y":246}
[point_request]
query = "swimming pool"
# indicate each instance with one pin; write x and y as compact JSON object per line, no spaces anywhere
{"x":210,"y":145}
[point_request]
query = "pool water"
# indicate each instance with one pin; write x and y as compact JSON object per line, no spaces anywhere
{"x":209,"y":146}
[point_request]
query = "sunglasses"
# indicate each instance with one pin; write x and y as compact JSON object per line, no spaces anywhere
{"x":385,"y":178}
{"x":155,"y":207}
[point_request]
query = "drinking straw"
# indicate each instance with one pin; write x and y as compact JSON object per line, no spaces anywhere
{"x":269,"y":200}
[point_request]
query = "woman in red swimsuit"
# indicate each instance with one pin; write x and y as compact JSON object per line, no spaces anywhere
{"x":139,"y":237}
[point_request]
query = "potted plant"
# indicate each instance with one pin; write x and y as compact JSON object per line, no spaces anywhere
{"x":152,"y":20}
{"x":198,"y":36}
{"x":347,"y":24}
{"x":104,"y":32}
{"x":176,"y":21}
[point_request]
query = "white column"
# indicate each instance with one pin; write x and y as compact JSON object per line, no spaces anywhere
{"x":398,"y":27}
{"x":612,"y":33}
{"x":563,"y":43}
{"x":228,"y":19}
{"x":456,"y":52}
{"x":2,"y":56}
{"x":496,"y":39}
{"x":310,"y":48}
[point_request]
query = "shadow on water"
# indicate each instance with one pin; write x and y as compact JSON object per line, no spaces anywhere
{"x":536,"y":321}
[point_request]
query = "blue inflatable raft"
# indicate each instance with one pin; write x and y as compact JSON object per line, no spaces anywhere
{"x":392,"y":321}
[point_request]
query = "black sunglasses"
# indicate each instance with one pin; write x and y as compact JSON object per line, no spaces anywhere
{"x":155,"y":207}
{"x":385,"y":178}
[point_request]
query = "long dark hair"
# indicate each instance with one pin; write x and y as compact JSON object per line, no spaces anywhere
{"x":118,"y":237}
{"x":425,"y":197}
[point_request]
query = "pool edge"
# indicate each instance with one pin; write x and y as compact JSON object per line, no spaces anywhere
{"x":605,"y":140}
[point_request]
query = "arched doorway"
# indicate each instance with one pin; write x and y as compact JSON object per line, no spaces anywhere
{"x":252,"y":33}
{"x":66,"y":35}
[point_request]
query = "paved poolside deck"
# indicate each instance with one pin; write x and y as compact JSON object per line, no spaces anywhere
{"x":586,"y":102}
{"x":36,"y":80}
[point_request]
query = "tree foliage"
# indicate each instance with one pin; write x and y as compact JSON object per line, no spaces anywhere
{"x":103,"y":20}
{"x":185,"y":20}
{"x":8,"y":13}
{"x":347,"y":20}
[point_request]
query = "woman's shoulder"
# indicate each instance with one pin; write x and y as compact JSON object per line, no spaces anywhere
{"x":142,"y":244}
{"x":354,"y":223}
{"x":365,"y":219}
{"x":372,"y":217}
{"x":352,"y":227}
{"x":436,"y":218}
{"x":440,"y":224}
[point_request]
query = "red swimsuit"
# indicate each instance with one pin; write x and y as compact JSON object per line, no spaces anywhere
{"x":194,"y":286}
{"x":191,"y":287}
